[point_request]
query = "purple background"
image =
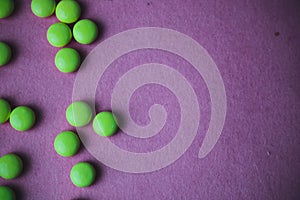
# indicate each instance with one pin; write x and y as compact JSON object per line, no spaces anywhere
{"x":256,"y":46}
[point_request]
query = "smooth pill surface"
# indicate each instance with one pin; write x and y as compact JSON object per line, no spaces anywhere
{"x":79,"y":114}
{"x":68,"y":11}
{"x":11,"y":166}
{"x":4,"y":111}
{"x":85,"y":31}
{"x":67,"y":60}
{"x":59,"y":34}
{"x":43,"y":8}
{"x":22,"y":118}
{"x":104,"y":124}
{"x":82,"y":174}
{"x":5,"y":53}
{"x":66,"y":143}
{"x":6,"y":8}
{"x":6,"y":193}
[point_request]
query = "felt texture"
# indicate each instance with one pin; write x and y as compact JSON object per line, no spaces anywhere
{"x":256,"y":46}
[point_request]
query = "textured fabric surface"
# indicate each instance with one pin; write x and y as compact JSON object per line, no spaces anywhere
{"x":256,"y":46}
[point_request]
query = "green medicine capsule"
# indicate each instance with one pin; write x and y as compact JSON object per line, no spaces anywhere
{"x":4,"y":111}
{"x":59,"y":34}
{"x":104,"y":124}
{"x":5,"y":52}
{"x":79,"y":114}
{"x":22,"y":118}
{"x":11,"y":166}
{"x":68,"y":11}
{"x":6,"y":193}
{"x":66,"y":143}
{"x":85,"y":31}
{"x":43,"y":8}
{"x":67,"y":60}
{"x":82,"y":174}
{"x":6,"y":8}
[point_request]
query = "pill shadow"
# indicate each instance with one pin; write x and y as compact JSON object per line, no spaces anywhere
{"x":26,"y":162}
{"x":19,"y":5}
{"x":98,"y":170}
{"x":38,"y":115}
{"x":81,"y":146}
{"x":101,"y":29}
{"x":19,"y":191}
{"x":120,"y":119}
{"x":11,"y":102}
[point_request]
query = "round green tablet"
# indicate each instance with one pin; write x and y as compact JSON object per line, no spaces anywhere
{"x":6,"y":8}
{"x":67,"y":60}
{"x":43,"y":8}
{"x":6,"y":193}
{"x":5,"y":53}
{"x":104,"y":124}
{"x":82,"y":174}
{"x":85,"y":31}
{"x":79,"y":114}
{"x":22,"y":118}
{"x":66,"y":143}
{"x":59,"y":34}
{"x":67,"y":11}
{"x":4,"y":111}
{"x":11,"y":166}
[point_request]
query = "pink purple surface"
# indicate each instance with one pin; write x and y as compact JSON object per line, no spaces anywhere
{"x":256,"y":46}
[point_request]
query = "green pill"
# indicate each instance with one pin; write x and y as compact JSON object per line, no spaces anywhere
{"x":4,"y":111}
{"x":85,"y":31}
{"x":59,"y":34}
{"x":66,"y":143}
{"x":6,"y":193}
{"x":6,"y":8}
{"x":82,"y":174}
{"x":5,"y":52}
{"x":11,"y":166}
{"x":22,"y":118}
{"x":79,"y":114}
{"x":67,"y":11}
{"x":104,"y":124}
{"x":43,"y":8}
{"x":67,"y":60}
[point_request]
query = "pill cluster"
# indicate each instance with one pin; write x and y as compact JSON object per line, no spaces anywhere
{"x":22,"y":118}
{"x":11,"y":166}
{"x":78,"y":114}
{"x":6,"y":8}
{"x":67,"y":143}
{"x":59,"y":34}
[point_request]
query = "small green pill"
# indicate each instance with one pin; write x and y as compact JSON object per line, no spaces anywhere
{"x":79,"y":114}
{"x":22,"y":118}
{"x":67,"y":60}
{"x":66,"y":143}
{"x":43,"y":8}
{"x":5,"y":53}
{"x":85,"y":31}
{"x":82,"y":174}
{"x":104,"y":124}
{"x":6,"y":193}
{"x":6,"y":8}
{"x":4,"y":111}
{"x":11,"y":166}
{"x":68,"y":11}
{"x":59,"y":34}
